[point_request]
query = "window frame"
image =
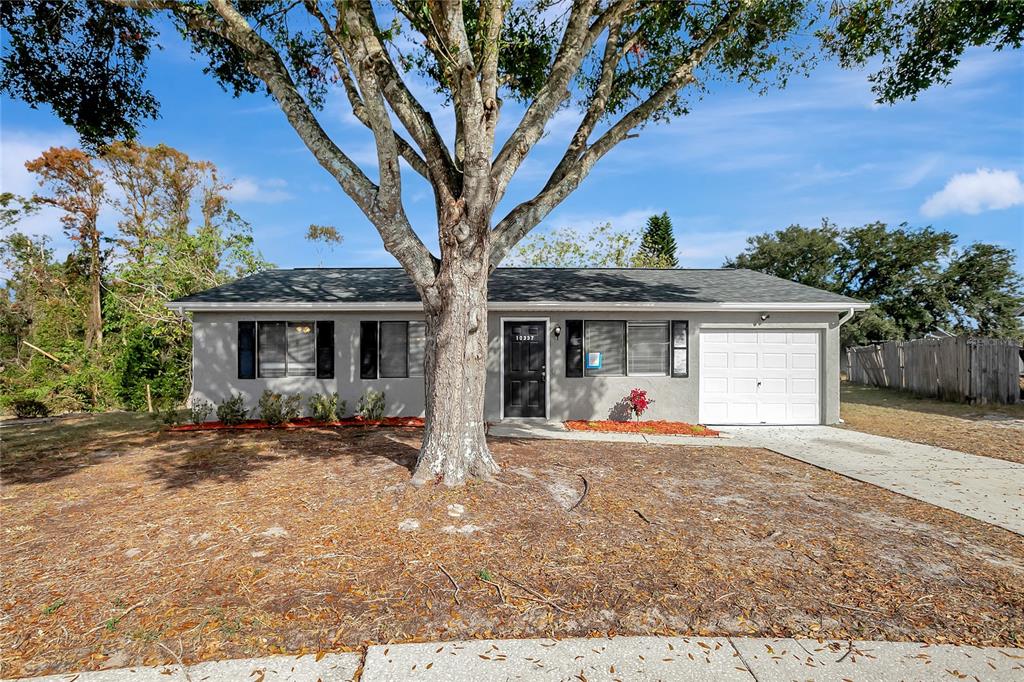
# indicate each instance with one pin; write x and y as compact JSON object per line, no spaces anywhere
{"x":256,"y":351}
{"x":380,"y":339}
{"x":673,"y":348}
{"x":670,"y":348}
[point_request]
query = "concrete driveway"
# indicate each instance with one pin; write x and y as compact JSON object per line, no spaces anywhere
{"x":991,"y":490}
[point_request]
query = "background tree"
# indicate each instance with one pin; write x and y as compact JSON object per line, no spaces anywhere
{"x":916,"y":280}
{"x":624,"y":63}
{"x":175,"y":234}
{"x":600,"y":247}
{"x":658,"y":243}
{"x":326,"y":238}
{"x":76,"y":187}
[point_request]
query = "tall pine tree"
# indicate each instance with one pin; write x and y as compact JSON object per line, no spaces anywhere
{"x":658,"y":245}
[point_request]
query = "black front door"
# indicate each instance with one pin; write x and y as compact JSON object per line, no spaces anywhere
{"x":525,"y":373}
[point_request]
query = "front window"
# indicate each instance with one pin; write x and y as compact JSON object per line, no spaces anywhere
{"x":401,"y":347}
{"x":286,"y":349}
{"x":620,"y":348}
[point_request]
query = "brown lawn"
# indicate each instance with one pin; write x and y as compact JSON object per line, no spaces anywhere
{"x":989,"y":430}
{"x":124,"y":546}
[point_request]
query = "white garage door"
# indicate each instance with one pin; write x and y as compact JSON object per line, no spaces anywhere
{"x":756,"y":377}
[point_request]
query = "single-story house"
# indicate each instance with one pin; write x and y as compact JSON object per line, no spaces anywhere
{"x":715,"y":346}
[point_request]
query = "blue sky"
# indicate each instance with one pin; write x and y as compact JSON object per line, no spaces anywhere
{"x":740,"y":164}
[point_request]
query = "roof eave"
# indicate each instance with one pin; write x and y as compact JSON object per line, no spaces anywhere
{"x":414,"y":306}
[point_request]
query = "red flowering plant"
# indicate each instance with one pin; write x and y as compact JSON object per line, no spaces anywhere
{"x":638,"y":402}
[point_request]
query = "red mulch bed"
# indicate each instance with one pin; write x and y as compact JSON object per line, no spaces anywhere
{"x":665,"y":427}
{"x":303,"y":423}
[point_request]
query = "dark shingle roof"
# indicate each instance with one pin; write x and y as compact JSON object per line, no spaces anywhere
{"x":515,"y":285}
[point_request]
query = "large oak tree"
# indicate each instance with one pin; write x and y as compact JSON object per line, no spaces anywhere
{"x":622,"y":63}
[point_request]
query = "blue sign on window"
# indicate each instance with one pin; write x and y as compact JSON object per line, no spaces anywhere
{"x":594,"y":360}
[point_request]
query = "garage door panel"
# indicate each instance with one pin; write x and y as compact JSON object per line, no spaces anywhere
{"x":716,"y":412}
{"x":742,"y":411}
{"x":760,"y":377}
{"x":805,"y":338}
{"x":716,"y":385}
{"x":803,"y":386}
{"x":804,"y":360}
{"x":744,"y":360}
{"x":715,"y":360}
{"x":772,"y":413}
{"x":804,"y":413}
{"x":776,"y":386}
{"x":740,"y":385}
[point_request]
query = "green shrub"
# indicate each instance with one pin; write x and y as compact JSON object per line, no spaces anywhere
{"x":232,"y":411}
{"x":168,"y":416}
{"x":276,"y":409}
{"x":326,"y":408}
{"x":371,"y":405}
{"x":26,"y":407}
{"x":199,"y":410}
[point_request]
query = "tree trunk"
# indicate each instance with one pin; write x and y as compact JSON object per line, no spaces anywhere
{"x":94,"y":316}
{"x":455,"y":368}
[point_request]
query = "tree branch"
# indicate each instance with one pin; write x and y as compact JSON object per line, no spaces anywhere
{"x":521,"y":219}
{"x":355,"y":99}
{"x":415,"y":119}
{"x":577,"y":42}
{"x":263,"y":60}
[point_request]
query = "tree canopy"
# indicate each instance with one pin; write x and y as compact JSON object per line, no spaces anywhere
{"x":658,"y":243}
{"x":602,"y":246}
{"x":917,"y":280}
{"x":173,"y":233}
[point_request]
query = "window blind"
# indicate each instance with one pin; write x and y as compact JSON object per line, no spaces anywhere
{"x":417,"y":348}
{"x":394,"y":349}
{"x":647,"y":348}
{"x":301,"y":349}
{"x":271,"y":349}
{"x":608,"y":338}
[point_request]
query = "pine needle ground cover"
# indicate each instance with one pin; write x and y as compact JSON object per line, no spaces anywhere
{"x":986,"y":430}
{"x":122,"y":546}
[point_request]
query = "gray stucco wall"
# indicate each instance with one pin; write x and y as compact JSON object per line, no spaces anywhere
{"x":215,"y":373}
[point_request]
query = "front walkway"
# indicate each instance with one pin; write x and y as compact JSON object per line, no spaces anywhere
{"x":620,"y":658}
{"x":983,"y":488}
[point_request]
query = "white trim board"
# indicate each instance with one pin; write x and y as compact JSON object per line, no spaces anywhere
{"x":542,"y":306}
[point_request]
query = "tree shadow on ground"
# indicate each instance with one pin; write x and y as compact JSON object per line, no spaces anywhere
{"x":44,"y":450}
{"x":185,"y":459}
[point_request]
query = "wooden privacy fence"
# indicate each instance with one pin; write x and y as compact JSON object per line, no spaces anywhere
{"x":962,"y":369}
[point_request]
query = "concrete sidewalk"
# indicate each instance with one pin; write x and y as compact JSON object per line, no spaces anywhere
{"x":620,"y":658}
{"x":984,"y":488}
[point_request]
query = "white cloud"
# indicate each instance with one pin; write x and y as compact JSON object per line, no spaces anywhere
{"x":983,"y":190}
{"x":633,"y":220}
{"x":256,"y":191}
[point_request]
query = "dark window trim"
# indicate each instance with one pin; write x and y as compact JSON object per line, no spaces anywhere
{"x":674,"y":348}
{"x":249,"y":372}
